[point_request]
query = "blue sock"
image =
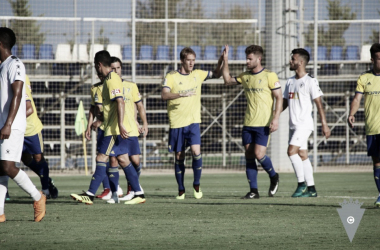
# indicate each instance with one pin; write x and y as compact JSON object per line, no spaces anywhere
{"x":138,"y":170}
{"x":98,"y":176}
{"x":42,"y":170}
{"x":179,"y":168}
{"x":113,"y":175}
{"x":251,"y":172}
{"x":266,"y":163}
{"x":197,"y":168}
{"x":376,"y":174}
{"x":132,"y":177}
{"x":106,"y":181}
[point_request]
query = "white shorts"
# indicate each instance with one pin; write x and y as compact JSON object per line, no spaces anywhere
{"x":11,"y":148}
{"x":299,"y":138}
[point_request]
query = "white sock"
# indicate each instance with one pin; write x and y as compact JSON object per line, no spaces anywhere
{"x":89,"y":193}
{"x":298,"y":167}
{"x":23,"y":181}
{"x":308,"y":170}
{"x":3,"y":192}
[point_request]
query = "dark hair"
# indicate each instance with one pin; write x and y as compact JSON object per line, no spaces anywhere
{"x":303,"y":53}
{"x":115,"y":59}
{"x":374,"y":49}
{"x":254,"y":49}
{"x":186,"y":51}
{"x":103,"y":57}
{"x":7,"y":37}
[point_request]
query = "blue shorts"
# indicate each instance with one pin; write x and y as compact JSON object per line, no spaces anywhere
{"x":115,"y":145}
{"x":181,"y":138}
{"x":256,"y":135}
{"x":99,"y":139}
{"x":34,"y":144}
{"x":373,"y":145}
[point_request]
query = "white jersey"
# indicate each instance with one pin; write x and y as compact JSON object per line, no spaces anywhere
{"x":300,"y":93}
{"x":11,"y":70}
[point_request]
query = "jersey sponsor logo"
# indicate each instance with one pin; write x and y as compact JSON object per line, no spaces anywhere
{"x":115,"y":91}
{"x":254,"y":90}
{"x":188,"y":90}
{"x":293,"y":95}
{"x":372,"y":93}
{"x":277,"y":84}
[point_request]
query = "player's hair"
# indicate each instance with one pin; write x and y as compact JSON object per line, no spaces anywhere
{"x":7,"y":37}
{"x":254,"y":49}
{"x":103,"y":57}
{"x":374,"y":49}
{"x":115,"y":59}
{"x":302,"y":53}
{"x":186,"y":51}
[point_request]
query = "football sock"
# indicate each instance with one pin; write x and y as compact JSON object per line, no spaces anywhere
{"x":132,"y":177}
{"x":308,"y":172}
{"x":376,"y":174}
{"x":106,"y":181}
{"x":138,"y":170}
{"x":251,"y":172}
{"x":23,"y":181}
{"x":97,"y":177}
{"x":42,"y":170}
{"x":113,"y":175}
{"x":267,"y":165}
{"x":197,"y":168}
{"x":3,"y":192}
{"x":298,"y":167}
{"x":179,"y":168}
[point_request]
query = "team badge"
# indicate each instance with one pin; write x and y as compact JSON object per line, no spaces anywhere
{"x":277,"y":84}
{"x":115,"y":91}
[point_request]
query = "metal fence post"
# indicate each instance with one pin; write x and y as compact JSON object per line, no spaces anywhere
{"x":224,"y":129}
{"x":144,"y":138}
{"x":347,"y":128}
{"x":63,"y":130}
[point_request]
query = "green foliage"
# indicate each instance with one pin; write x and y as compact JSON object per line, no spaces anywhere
{"x":375,"y":37}
{"x":27,"y":31}
{"x":100,"y":39}
{"x":333,"y":34}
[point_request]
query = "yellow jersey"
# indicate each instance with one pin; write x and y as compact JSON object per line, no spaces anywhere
{"x":258,"y":91}
{"x":185,"y":110}
{"x":131,"y":96}
{"x":97,"y":98}
{"x":112,"y":89}
{"x":369,"y":85}
{"x":33,"y":123}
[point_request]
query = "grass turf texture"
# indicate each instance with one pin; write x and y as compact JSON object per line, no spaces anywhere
{"x":220,"y":220}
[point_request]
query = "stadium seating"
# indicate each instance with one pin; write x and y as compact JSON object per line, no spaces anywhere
{"x":146,"y":52}
{"x":352,"y":53}
{"x":322,"y":53}
{"x":15,"y":50}
{"x":210,"y":53}
{"x":127,"y":52}
{"x":63,"y":52}
{"x":162,"y":52}
{"x":179,"y":48}
{"x":94,"y":49}
{"x":80,"y":53}
{"x":28,"y":51}
{"x":230,"y":53}
{"x":198,"y":51}
{"x":308,"y":49}
{"x":240,"y":53}
{"x":115,"y":50}
{"x":365,"y":55}
{"x":336,"y":53}
{"x":46,"y":52}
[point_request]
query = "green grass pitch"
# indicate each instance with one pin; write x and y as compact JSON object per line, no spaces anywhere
{"x":220,"y":220}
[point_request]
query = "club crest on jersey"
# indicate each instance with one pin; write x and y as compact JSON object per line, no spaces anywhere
{"x":180,"y":83}
{"x":277,"y":84}
{"x":301,"y":85}
{"x":115,"y":91}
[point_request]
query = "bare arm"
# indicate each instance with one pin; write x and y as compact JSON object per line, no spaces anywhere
{"x":325,"y":128}
{"x":120,"y":117}
{"x":217,"y":73}
{"x":228,"y":80}
{"x":29,"y":108}
{"x":142,"y":114}
{"x":355,"y":104}
{"x":5,"y":131}
{"x":166,"y":95}
{"x":89,"y":123}
{"x":277,"y":94}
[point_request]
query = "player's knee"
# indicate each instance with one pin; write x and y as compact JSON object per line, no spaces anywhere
{"x":303,"y":154}
{"x":180,"y":156}
{"x":38,"y":157}
{"x":26,"y":159}
{"x":101,"y":157}
{"x":292,"y":151}
{"x":259,"y":154}
{"x":113,"y":162}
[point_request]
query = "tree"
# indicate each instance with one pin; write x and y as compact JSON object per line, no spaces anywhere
{"x":27,"y":31}
{"x":333,"y":35}
{"x":375,"y":37}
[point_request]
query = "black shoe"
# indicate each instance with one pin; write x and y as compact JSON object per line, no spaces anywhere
{"x":251,"y":195}
{"x":274,"y":181}
{"x":53,"y":189}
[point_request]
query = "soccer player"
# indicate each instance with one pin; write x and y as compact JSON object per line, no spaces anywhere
{"x":369,"y":86}
{"x":32,"y":154}
{"x":132,"y":100}
{"x":116,"y":139}
{"x":182,"y":91}
{"x":300,"y":91}
{"x":13,"y":125}
{"x":261,"y":87}
{"x":96,"y":111}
